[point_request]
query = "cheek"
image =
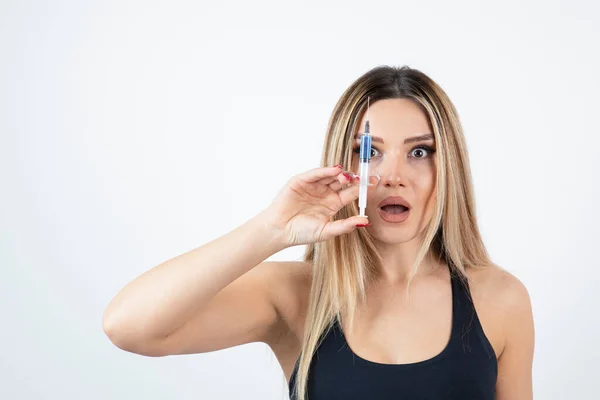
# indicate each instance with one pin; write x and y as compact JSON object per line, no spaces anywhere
{"x":425,"y":172}
{"x":425,"y":184}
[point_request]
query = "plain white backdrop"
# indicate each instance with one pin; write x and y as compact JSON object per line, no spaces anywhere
{"x":133,"y":131}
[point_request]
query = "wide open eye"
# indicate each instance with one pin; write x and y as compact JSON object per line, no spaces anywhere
{"x":422,"y":152}
{"x":356,"y":150}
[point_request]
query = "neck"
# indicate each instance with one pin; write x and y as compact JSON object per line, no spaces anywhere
{"x":398,"y":260}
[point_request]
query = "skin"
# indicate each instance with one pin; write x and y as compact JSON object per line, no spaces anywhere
{"x":388,"y":329}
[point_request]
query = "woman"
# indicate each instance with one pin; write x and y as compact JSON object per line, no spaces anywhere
{"x":343,"y":323}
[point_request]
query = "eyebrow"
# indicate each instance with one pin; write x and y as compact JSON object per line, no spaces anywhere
{"x":420,"y":138}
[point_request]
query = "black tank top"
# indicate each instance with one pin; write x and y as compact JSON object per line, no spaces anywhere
{"x":466,"y":369}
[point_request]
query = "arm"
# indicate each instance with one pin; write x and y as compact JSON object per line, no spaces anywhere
{"x":516,"y":361}
{"x":207,"y":299}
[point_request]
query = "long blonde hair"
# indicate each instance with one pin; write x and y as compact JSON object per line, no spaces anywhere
{"x":343,"y":268}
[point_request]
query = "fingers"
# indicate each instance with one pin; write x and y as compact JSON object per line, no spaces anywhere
{"x":330,"y":179}
{"x":316,"y":174}
{"x":351,"y":193}
{"x":342,"y":226}
{"x":343,"y":179}
{"x":338,"y":181}
{"x":336,"y":185}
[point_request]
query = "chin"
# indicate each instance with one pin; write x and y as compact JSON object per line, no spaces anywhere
{"x":391,"y":235}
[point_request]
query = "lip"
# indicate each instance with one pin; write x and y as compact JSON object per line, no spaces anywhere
{"x":394,"y":200}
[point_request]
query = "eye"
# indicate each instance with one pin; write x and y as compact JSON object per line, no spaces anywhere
{"x":356,"y":150}
{"x":422,"y":152}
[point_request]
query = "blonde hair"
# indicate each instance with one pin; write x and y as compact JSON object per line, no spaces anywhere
{"x":342,"y":268}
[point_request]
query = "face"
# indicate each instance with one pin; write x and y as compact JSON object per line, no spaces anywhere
{"x":406,"y":166}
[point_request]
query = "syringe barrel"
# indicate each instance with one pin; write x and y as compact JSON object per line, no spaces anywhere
{"x":362,"y":196}
{"x":364,"y":182}
{"x":365,"y":148}
{"x":365,"y":156}
{"x":363,"y":172}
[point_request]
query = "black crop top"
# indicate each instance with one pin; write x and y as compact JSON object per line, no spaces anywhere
{"x":466,"y":369}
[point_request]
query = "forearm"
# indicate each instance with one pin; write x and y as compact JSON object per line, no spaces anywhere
{"x":162,"y":299}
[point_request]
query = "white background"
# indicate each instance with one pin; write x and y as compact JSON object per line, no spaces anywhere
{"x":132,"y":132}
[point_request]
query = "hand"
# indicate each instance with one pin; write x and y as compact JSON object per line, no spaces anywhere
{"x":303,"y":209}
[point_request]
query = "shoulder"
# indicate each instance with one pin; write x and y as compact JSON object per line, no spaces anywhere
{"x":286,"y":276}
{"x":289,"y":283}
{"x":503,"y":299}
{"x":495,"y":282}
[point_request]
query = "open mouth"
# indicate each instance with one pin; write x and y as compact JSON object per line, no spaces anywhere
{"x":394,"y":213}
{"x":394,"y":208}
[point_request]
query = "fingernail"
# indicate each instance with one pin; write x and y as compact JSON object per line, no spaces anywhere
{"x":337,"y":166}
{"x":347,"y":176}
{"x":363,"y":225}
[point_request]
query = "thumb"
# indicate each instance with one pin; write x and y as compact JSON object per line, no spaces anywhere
{"x":342,"y":226}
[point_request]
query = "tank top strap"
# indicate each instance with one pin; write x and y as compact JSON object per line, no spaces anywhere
{"x":461,"y":293}
{"x":465,"y":316}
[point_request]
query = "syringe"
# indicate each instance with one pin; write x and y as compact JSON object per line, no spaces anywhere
{"x":365,"y":156}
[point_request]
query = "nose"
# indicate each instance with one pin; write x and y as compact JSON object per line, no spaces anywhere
{"x":392,"y":180}
{"x":392,"y":173}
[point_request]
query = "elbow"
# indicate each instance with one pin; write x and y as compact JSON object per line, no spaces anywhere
{"x":128,"y":339}
{"x":116,"y":332}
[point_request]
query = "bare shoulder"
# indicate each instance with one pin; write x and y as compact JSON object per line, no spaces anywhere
{"x":289,"y":288}
{"x":501,"y":300}
{"x":494,"y":282}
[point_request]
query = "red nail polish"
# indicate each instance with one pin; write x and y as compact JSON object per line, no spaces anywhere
{"x":337,"y":166}
{"x":363,"y":225}
{"x":347,"y":176}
